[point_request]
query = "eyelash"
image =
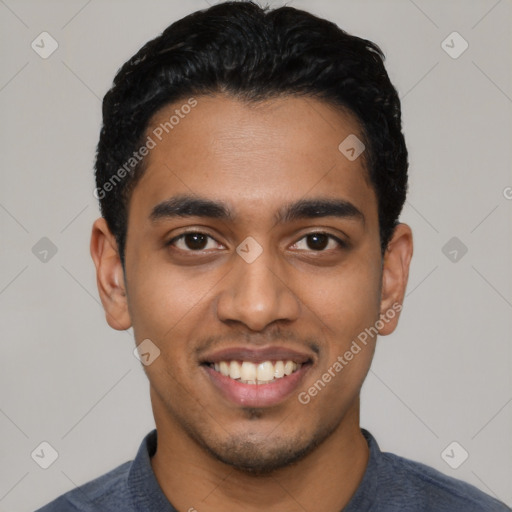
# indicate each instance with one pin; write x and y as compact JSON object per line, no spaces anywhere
{"x":341,"y":243}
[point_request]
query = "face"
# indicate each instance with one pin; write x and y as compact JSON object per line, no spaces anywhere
{"x":253,"y":262}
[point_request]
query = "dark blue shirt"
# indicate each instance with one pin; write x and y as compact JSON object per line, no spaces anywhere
{"x":390,"y":484}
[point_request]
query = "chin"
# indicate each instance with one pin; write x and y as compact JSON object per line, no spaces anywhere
{"x":258,"y":459}
{"x":264,"y":456}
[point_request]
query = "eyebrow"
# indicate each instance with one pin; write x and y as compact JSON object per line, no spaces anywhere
{"x":194,"y":206}
{"x":190,"y":206}
{"x":321,"y":207}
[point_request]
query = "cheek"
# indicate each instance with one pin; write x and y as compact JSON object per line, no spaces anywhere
{"x":162,"y":299}
{"x":164,"y":308}
{"x":346,"y":301}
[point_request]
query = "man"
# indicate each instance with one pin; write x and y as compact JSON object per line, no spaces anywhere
{"x":251,"y":170}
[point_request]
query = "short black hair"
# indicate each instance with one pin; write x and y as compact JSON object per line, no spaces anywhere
{"x":252,"y":53}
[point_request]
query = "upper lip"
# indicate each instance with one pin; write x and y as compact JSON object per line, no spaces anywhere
{"x":256,"y":355}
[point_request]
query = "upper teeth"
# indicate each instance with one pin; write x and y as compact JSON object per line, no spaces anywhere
{"x":251,"y":373}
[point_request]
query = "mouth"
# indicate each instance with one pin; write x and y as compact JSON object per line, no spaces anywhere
{"x":256,"y":378}
{"x":247,"y":372}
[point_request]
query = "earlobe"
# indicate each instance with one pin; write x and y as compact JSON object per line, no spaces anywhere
{"x":395,"y":274}
{"x":109,"y":275}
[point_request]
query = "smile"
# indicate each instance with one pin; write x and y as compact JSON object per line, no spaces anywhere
{"x":248,"y":372}
{"x":256,"y":376}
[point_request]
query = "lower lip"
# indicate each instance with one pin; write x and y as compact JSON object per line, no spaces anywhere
{"x":257,"y":395}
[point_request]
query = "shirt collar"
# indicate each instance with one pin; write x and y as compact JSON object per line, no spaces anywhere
{"x":366,"y":495}
{"x":145,"y":491}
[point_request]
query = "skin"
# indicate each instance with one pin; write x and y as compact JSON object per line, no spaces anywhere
{"x":214,"y":455}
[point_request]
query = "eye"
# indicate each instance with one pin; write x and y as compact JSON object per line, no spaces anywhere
{"x":319,"y":242}
{"x":193,"y":241}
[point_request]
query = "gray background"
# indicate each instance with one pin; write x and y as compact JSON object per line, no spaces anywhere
{"x":443,"y":376}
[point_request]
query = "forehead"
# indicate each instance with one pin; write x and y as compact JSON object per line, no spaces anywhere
{"x":254,"y":154}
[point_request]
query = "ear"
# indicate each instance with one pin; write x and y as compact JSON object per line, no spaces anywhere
{"x":395,"y":274}
{"x":109,"y":276}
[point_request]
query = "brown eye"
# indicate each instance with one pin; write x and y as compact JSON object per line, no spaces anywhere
{"x":193,"y":241}
{"x":317,"y":241}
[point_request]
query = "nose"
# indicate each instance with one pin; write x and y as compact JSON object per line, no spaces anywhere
{"x":257,"y":294}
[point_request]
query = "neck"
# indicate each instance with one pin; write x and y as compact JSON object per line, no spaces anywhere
{"x":192,"y":479}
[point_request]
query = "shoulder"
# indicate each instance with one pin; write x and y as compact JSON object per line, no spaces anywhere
{"x":428,"y":489}
{"x":109,"y":490}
